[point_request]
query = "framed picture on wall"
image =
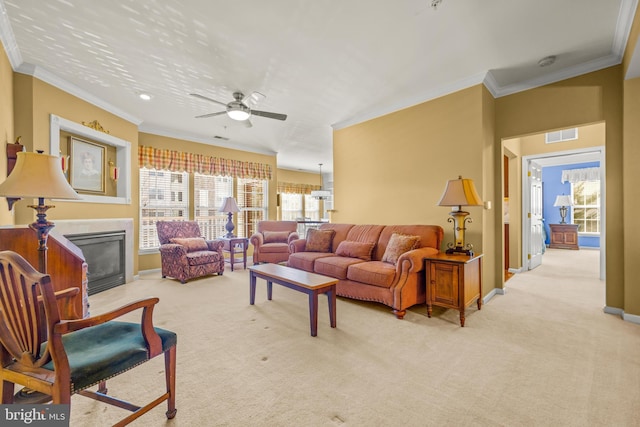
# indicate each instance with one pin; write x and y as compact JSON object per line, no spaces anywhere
{"x":87,"y":166}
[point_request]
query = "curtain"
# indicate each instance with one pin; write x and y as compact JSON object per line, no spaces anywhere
{"x":179,"y":161}
{"x":295,"y":188}
{"x":584,"y":174}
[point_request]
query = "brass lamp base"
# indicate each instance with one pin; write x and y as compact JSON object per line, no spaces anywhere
{"x":459,"y":219}
{"x":459,"y":251}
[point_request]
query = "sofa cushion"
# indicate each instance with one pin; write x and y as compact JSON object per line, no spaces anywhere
{"x":276,"y":236}
{"x":319,"y":240}
{"x":376,"y":273}
{"x":351,"y":249}
{"x":306,"y":260}
{"x":334,"y":266}
{"x":192,"y":244}
{"x":399,"y":244}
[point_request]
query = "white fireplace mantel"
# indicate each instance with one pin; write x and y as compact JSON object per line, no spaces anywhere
{"x":81,"y":226}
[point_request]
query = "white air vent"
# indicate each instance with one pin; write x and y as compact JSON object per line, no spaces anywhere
{"x":561,"y":135}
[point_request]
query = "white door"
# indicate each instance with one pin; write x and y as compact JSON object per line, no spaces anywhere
{"x":536,"y":242}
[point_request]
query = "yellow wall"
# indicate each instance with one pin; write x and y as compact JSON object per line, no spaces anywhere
{"x":631,"y":197}
{"x":6,"y":127}
{"x":299,"y":177}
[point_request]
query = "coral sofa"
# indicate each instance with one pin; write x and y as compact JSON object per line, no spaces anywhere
{"x":381,"y":263}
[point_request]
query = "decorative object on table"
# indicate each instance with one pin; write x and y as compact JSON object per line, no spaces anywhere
{"x":562,"y":201}
{"x":460,"y":192}
{"x":230,"y":207}
{"x":40,"y":176}
{"x":321,"y":194}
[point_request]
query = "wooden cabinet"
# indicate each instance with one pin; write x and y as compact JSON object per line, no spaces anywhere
{"x":564,"y":236}
{"x":453,"y":281}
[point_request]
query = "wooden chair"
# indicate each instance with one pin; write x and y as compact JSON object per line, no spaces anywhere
{"x":61,"y":356}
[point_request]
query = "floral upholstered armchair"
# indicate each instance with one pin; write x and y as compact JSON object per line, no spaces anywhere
{"x":185,"y":254}
{"x":271,"y":241}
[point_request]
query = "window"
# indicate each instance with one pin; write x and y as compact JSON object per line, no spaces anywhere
{"x":164,"y":195}
{"x":252,"y":201}
{"x":311,"y":208}
{"x":586,"y":206}
{"x":291,"y":206}
{"x":209,"y":192}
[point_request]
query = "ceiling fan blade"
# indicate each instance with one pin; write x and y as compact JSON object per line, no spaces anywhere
{"x":269,"y":115}
{"x":204,"y":116}
{"x":253,"y":99}
{"x":247,"y":123}
{"x":208,"y":99}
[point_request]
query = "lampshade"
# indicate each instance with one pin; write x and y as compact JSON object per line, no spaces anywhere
{"x":229,"y":205}
{"x":37,"y":175}
{"x":460,"y":192}
{"x":563,"y":200}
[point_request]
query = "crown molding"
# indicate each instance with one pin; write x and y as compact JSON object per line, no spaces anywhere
{"x":50,"y":78}
{"x":8,"y":39}
{"x":186,"y":136}
{"x":410,"y":101}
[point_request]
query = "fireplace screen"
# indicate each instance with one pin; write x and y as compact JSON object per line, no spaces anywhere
{"x":104,"y":253}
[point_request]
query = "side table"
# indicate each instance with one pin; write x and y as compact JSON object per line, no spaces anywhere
{"x":453,"y":281}
{"x":235,"y":245}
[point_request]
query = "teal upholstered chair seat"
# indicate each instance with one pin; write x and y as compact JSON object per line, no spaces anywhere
{"x":107,"y":350}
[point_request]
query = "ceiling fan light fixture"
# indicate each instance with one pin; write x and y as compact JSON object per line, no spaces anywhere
{"x":238,"y":111}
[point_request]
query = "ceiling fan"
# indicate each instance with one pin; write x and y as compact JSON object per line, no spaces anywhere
{"x":240,"y":108}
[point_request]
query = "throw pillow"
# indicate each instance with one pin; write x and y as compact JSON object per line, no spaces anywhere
{"x":275,"y":236}
{"x":193,"y":244}
{"x":319,"y":240}
{"x":360,"y":250}
{"x":399,"y":244}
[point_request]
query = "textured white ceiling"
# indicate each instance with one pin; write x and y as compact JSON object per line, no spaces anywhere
{"x":324,"y":63}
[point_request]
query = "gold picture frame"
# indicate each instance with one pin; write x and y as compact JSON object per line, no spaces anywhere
{"x":88,"y":163}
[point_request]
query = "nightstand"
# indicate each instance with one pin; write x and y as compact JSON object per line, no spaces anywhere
{"x":564,"y":236}
{"x":235,"y":245}
{"x":453,"y":281}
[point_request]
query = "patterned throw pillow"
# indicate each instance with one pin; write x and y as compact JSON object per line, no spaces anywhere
{"x":275,"y":236}
{"x":193,"y":244}
{"x":319,"y":240}
{"x":360,"y":250}
{"x":399,"y":244}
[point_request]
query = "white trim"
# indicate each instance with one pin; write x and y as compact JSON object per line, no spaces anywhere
{"x":633,"y":318}
{"x":123,"y":157}
{"x":8,"y":39}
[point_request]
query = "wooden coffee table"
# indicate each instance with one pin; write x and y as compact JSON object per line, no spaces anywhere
{"x":309,"y":283}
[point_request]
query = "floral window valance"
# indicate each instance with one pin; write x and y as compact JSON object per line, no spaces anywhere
{"x":584,"y":174}
{"x":180,"y":161}
{"x":291,"y":187}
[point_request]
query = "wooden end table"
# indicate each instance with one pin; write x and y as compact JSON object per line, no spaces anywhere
{"x":235,"y":245}
{"x":453,"y":281}
{"x":309,"y":283}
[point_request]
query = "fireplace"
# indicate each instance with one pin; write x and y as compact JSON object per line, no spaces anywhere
{"x":105,"y":255}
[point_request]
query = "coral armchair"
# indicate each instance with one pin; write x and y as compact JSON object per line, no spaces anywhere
{"x":44,"y":350}
{"x":185,"y":254}
{"x":271,"y":241}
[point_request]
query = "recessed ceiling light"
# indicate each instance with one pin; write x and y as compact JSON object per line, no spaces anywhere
{"x":145,"y":96}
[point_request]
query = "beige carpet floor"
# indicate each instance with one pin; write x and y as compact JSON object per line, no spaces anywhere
{"x":544,"y":354}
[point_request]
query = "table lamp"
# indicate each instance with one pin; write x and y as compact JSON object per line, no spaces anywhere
{"x":40,"y":176}
{"x":229,"y":206}
{"x":562,"y":201}
{"x":460,"y":192}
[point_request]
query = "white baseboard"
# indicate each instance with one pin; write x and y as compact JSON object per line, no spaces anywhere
{"x":620,"y":312}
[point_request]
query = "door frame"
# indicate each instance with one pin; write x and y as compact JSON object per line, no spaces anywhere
{"x":526,"y":199}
